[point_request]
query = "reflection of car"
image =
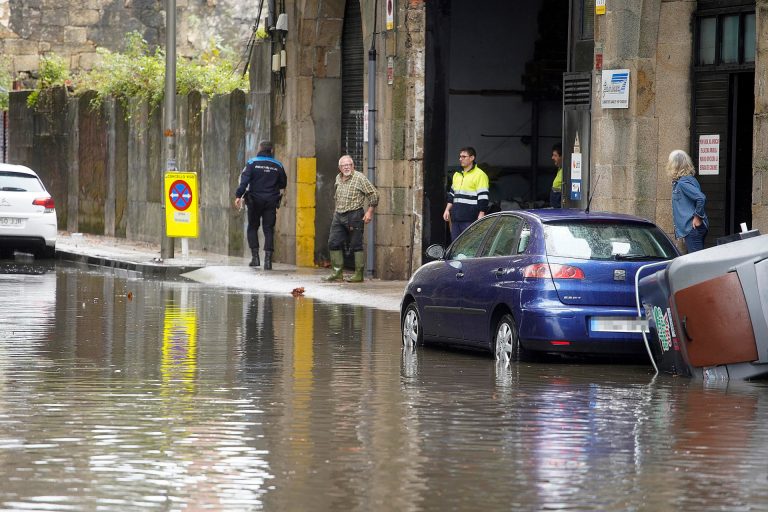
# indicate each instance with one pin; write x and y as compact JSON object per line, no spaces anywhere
{"x":554,"y":280}
{"x":27,"y":212}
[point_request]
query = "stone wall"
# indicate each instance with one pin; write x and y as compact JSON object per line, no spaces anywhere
{"x":307,"y":127}
{"x":74,"y":29}
{"x":630,"y":146}
{"x":105,"y":171}
{"x":760,"y":133}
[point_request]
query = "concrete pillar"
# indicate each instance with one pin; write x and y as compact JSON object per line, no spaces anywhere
{"x":760,"y":133}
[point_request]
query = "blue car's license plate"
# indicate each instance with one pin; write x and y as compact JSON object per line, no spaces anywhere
{"x":618,"y":324}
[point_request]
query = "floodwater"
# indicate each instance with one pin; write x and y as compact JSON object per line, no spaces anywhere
{"x":120,"y":393}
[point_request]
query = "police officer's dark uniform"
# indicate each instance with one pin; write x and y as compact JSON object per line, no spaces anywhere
{"x":261,"y":183}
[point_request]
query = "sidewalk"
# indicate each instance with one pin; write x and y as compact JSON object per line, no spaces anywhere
{"x":228,"y":271}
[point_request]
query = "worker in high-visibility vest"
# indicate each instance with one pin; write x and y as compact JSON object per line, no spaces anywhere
{"x":468,"y":196}
{"x":556,"y":194}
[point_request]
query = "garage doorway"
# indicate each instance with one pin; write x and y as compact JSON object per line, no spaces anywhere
{"x":724,"y":105}
{"x":494,"y":75}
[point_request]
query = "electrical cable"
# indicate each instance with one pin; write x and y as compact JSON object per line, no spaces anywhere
{"x":251,"y":41}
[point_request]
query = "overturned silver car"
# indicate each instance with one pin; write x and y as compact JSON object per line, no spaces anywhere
{"x":707,"y":312}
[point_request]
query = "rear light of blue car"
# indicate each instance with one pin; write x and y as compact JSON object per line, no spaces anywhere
{"x":45,"y":202}
{"x":554,"y":271}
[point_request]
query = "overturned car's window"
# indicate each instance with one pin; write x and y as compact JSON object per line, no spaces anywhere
{"x":607,"y":241}
{"x":19,"y":182}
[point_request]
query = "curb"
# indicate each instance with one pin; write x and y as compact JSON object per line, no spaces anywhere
{"x":149,"y":269}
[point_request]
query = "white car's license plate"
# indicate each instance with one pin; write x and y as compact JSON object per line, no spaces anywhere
{"x":11,"y":221}
{"x":618,"y":324}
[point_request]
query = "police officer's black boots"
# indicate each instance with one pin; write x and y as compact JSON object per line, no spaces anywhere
{"x":255,"y":259}
{"x":267,"y":260}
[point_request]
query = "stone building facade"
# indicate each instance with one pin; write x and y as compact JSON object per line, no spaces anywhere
{"x":495,"y":77}
{"x":74,"y":29}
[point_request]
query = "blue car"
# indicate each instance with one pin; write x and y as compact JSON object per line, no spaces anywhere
{"x":551,"y":280}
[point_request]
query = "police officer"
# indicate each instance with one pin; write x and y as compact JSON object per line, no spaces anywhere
{"x":261,"y":185}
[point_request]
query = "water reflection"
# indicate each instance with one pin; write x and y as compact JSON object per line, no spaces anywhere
{"x":120,"y":393}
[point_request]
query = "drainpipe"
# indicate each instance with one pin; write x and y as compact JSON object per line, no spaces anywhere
{"x":370,"y":260}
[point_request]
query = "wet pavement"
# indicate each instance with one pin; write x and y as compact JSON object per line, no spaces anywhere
{"x":221,"y":270}
{"x":119,"y":392}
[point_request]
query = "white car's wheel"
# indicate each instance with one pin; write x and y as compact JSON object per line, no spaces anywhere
{"x":411,"y":327}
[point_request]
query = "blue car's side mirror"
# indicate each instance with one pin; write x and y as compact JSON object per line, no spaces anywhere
{"x":436,"y":251}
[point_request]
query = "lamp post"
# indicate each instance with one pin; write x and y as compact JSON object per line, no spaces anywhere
{"x":169,"y":119}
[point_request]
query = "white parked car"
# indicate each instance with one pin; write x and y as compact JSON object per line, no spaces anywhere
{"x":27,"y":212}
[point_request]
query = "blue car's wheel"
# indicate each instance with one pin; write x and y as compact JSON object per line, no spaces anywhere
{"x":506,"y":342}
{"x":411,"y":326}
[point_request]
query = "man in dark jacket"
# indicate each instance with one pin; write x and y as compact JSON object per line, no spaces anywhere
{"x":261,"y":185}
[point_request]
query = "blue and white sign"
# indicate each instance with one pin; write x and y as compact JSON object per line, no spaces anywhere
{"x":615,"y":89}
{"x":576,"y":176}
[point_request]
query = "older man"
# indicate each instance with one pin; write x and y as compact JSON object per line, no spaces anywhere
{"x":353,"y":190}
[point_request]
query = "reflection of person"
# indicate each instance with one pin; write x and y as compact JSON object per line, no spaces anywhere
{"x":468,"y":197}
{"x":352,"y":191}
{"x":556,"y":194}
{"x":261,"y":183}
{"x":691,"y":223}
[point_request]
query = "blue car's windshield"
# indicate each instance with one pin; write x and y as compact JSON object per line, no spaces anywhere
{"x":607,"y":240}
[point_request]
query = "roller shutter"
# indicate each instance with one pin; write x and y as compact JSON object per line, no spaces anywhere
{"x":352,"y":76}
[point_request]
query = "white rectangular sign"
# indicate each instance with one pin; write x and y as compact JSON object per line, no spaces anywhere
{"x":615,"y":88}
{"x":575,"y":166}
{"x":709,"y":154}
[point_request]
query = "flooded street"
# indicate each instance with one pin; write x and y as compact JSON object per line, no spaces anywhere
{"x":121,"y":393}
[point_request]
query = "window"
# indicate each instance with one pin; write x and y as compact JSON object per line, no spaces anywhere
{"x":503,"y":237}
{"x":729,"y":43}
{"x":727,"y":39}
{"x":607,"y":240}
{"x":468,"y":243}
{"x":19,"y":182}
{"x":707,"y":38}
{"x":749,"y":37}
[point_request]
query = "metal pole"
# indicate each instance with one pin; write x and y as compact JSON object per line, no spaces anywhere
{"x":169,"y":119}
{"x":370,"y":260}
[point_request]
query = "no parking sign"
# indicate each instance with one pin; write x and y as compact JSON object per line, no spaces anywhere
{"x":181,"y":204}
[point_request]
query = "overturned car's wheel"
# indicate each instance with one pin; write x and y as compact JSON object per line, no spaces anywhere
{"x":411,"y":326}
{"x":506,"y":341}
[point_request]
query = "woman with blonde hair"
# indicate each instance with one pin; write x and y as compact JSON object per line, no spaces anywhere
{"x":691,"y":223}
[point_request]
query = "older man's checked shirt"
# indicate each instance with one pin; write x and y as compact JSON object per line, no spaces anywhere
{"x":351,"y":193}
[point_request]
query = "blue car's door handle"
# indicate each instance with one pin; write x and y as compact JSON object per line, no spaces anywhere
{"x":459,"y":275}
{"x":499,"y":272}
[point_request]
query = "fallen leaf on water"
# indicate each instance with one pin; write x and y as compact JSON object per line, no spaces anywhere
{"x":297,"y":292}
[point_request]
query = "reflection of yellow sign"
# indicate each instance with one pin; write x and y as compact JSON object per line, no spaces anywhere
{"x":600,"y":6}
{"x":179,"y":353}
{"x":181,"y":204}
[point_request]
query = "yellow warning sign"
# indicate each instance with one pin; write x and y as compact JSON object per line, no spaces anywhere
{"x":181,"y":204}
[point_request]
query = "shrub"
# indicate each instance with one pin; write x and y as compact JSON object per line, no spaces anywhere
{"x":6,"y":82}
{"x":53,"y":72}
{"x":139,"y":73}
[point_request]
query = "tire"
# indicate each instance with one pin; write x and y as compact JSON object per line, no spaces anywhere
{"x":46,"y":253}
{"x":506,"y":341}
{"x":411,"y":326}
